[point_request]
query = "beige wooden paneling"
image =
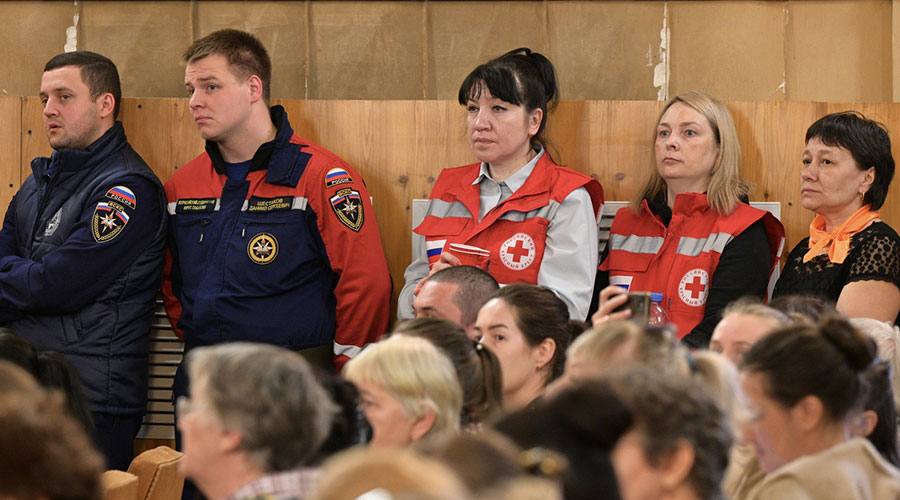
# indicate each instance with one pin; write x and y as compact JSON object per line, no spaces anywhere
{"x":30,"y":34}
{"x":400,"y":147}
{"x":10,"y":148}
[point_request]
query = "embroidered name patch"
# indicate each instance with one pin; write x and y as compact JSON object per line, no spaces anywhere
{"x":337,"y":176}
{"x":195,"y":205}
{"x":122,"y":195}
{"x":348,"y":207}
{"x":262,"y":249}
{"x":108,"y":221}
{"x":256,"y":204}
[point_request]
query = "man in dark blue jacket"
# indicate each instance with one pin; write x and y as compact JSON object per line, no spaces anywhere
{"x":82,"y":245}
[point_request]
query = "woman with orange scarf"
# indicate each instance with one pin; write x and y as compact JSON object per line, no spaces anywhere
{"x":851,"y":257}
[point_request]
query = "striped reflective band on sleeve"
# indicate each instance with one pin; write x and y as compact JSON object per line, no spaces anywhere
{"x":635,"y":244}
{"x":693,"y":247}
{"x":351,"y":351}
{"x":443,"y":209}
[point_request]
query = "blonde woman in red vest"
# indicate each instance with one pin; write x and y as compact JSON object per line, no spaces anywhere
{"x":516,"y":213}
{"x":851,"y":257}
{"x":689,"y":233}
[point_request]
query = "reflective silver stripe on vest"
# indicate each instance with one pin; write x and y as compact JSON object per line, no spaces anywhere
{"x":299,"y":203}
{"x":170,"y":207}
{"x":693,"y":247}
{"x":635,"y":244}
{"x":443,"y":209}
{"x":351,"y":351}
{"x":544,"y":212}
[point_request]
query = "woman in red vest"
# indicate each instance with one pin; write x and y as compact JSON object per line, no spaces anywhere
{"x":515,"y":213}
{"x":689,"y":233}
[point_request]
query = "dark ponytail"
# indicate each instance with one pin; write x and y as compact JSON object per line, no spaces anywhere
{"x":519,"y":77}
{"x":477,"y":368}
{"x":827,"y":360}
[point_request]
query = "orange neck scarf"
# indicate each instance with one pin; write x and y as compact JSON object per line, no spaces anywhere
{"x":837,"y":243}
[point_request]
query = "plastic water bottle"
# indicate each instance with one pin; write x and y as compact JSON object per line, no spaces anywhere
{"x":657,"y":315}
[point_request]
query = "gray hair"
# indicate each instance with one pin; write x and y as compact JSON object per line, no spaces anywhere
{"x":270,"y":396}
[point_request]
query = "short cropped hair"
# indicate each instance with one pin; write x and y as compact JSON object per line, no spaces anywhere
{"x":270,"y":396}
{"x":246,"y":55}
{"x":46,"y":453}
{"x":672,"y":410}
{"x":868,"y":142}
{"x":97,"y":72}
{"x":726,"y":188}
{"x":415,"y":372}
{"x":475,"y":287}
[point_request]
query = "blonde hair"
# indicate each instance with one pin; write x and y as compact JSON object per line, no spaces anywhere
{"x":725,"y":188}
{"x":415,"y":372}
{"x":721,"y":377}
{"x":655,"y":348}
{"x":398,"y":472}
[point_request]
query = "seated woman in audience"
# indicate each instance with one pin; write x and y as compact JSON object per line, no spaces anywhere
{"x":476,"y":366}
{"x":679,"y":443}
{"x":526,"y":326}
{"x":689,"y":233}
{"x":851,"y":257}
{"x":804,"y":384}
{"x":878,"y":420}
{"x":408,"y":390}
{"x":743,"y":323}
{"x":536,"y":220}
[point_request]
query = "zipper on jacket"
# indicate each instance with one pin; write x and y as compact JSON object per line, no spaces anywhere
{"x":203,"y":223}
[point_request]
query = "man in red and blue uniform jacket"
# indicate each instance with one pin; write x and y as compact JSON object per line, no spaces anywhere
{"x":290,"y":256}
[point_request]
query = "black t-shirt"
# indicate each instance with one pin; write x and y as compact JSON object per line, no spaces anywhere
{"x":874,"y":255}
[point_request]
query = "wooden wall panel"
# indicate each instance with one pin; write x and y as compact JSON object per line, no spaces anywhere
{"x":10,"y":148}
{"x":400,"y":147}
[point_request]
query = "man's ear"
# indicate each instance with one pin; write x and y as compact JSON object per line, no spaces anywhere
{"x":423,"y":425}
{"x":256,"y":88}
{"x":676,"y":466}
{"x":230,"y":441}
{"x":107,"y":105}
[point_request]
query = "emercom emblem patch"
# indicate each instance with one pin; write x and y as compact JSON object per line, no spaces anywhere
{"x":348,"y":207}
{"x":262,"y":249}
{"x":108,"y":221}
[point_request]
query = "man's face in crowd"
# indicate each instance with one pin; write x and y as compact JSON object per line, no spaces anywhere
{"x":71,"y":119}
{"x":435,"y":300}
{"x":219,"y":100}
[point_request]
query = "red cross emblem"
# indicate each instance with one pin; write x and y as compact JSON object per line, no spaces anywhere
{"x":518,"y":252}
{"x":694,"y":287}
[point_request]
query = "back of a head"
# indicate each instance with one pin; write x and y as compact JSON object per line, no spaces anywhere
{"x":720,"y":376}
{"x":477,"y":368}
{"x":245,"y":54}
{"x":475,"y":288}
{"x":482,"y":460}
{"x":398,"y":473}
{"x":52,"y":370}
{"x":624,"y":342}
{"x":46,"y":454}
{"x":879,"y":399}
{"x":672,"y":410}
{"x":270,"y":396}
{"x":98,"y":73}
{"x":803,"y":308}
{"x":540,"y":314}
{"x":583,"y":423}
{"x":827,"y":360}
{"x":415,"y":372}
{"x":887,"y":341}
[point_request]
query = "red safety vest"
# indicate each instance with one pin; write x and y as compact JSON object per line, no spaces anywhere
{"x":515,"y":230}
{"x":679,"y":261}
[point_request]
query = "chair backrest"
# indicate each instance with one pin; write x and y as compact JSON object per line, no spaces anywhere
{"x":119,"y":485}
{"x":158,"y":473}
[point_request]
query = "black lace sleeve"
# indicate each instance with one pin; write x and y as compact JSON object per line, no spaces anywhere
{"x":876,"y":257}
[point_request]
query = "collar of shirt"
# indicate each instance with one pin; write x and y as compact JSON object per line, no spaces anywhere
{"x":291,"y":484}
{"x":516,"y":180}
